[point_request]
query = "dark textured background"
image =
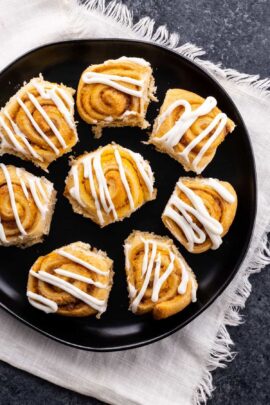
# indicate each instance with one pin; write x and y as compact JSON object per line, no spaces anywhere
{"x":237,"y":33}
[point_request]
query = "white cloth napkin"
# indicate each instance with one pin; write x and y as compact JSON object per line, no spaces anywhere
{"x":177,"y":369}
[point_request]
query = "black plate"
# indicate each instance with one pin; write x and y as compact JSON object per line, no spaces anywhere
{"x":118,"y":328}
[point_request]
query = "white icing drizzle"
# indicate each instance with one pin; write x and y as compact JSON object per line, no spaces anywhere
{"x":83,"y":263}
{"x":104,"y":193}
{"x":123,"y":177}
{"x":184,"y":278}
{"x":220,"y":189}
{"x":159,"y":280}
{"x":153,"y":263}
{"x":51,"y":306}
{"x":43,"y":208}
{"x":47,"y":119}
{"x":42,"y":303}
{"x":19,"y":133}
{"x":108,"y":119}
{"x":145,"y":257}
{"x":150,"y":264}
{"x":20,"y":177}
{"x":97,"y":304}
{"x":52,"y":95}
{"x":139,"y":61}
{"x":128,"y":113}
{"x":127,"y":261}
{"x":67,"y":97}
{"x":12,"y":138}
{"x":34,"y":183}
{"x":37,"y":127}
{"x":183,"y":219}
{"x":131,"y":290}
{"x":12,"y":199}
{"x":193,"y":290}
{"x":146,"y":175}
{"x":2,"y":233}
{"x":75,"y":276}
{"x":111,"y":80}
{"x":92,"y":166}
{"x":88,"y":172}
{"x":75,"y":190}
{"x":45,"y":94}
{"x":175,"y":134}
{"x":40,"y":188}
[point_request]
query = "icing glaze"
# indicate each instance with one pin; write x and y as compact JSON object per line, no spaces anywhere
{"x":97,"y":304}
{"x":187,"y":119}
{"x":74,"y":276}
{"x":92,"y":169}
{"x":220,"y":189}
{"x":47,"y":119}
{"x":42,"y":303}
{"x":75,"y":190}
{"x":37,"y":127}
{"x":25,"y":148}
{"x":104,"y":193}
{"x":46,"y":305}
{"x":12,"y":199}
{"x":123,"y":177}
{"x":83,"y":263}
{"x":146,"y":174}
{"x":112,"y":81}
{"x":139,"y":61}
{"x":89,"y":173}
{"x":180,"y":212}
{"x":152,"y":264}
{"x":26,"y":180}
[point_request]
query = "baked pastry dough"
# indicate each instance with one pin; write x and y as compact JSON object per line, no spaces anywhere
{"x":116,"y":93}
{"x":37,"y":123}
{"x":190,"y":128}
{"x":26,"y":206}
{"x":74,"y":280}
{"x":200,"y":212}
{"x":109,"y":184}
{"x":159,"y":279}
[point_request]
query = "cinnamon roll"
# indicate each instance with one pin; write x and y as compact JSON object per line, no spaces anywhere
{"x":159,"y":279}
{"x":109,"y":184}
{"x":26,"y":206}
{"x":116,"y":93}
{"x":200,"y":212}
{"x":74,"y":280}
{"x":37,"y":123}
{"x":190,"y":128}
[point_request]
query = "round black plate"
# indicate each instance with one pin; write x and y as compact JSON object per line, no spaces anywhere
{"x":118,"y":328}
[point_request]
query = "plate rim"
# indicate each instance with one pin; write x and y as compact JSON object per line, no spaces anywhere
{"x":250,"y":233}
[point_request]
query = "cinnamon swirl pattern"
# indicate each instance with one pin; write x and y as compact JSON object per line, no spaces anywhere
{"x":116,"y":93}
{"x":190,"y":128}
{"x":159,"y":279}
{"x":200,"y":212}
{"x":74,"y":280}
{"x":37,"y":123}
{"x":26,"y":206}
{"x":109,"y":184}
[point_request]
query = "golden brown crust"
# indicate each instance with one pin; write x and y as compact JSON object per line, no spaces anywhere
{"x":34,"y":223}
{"x":68,"y":304}
{"x":42,"y":154}
{"x":196,"y":128}
{"x":117,"y":190}
{"x":169,"y":300}
{"x":219,"y":209}
{"x":103,"y":106}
